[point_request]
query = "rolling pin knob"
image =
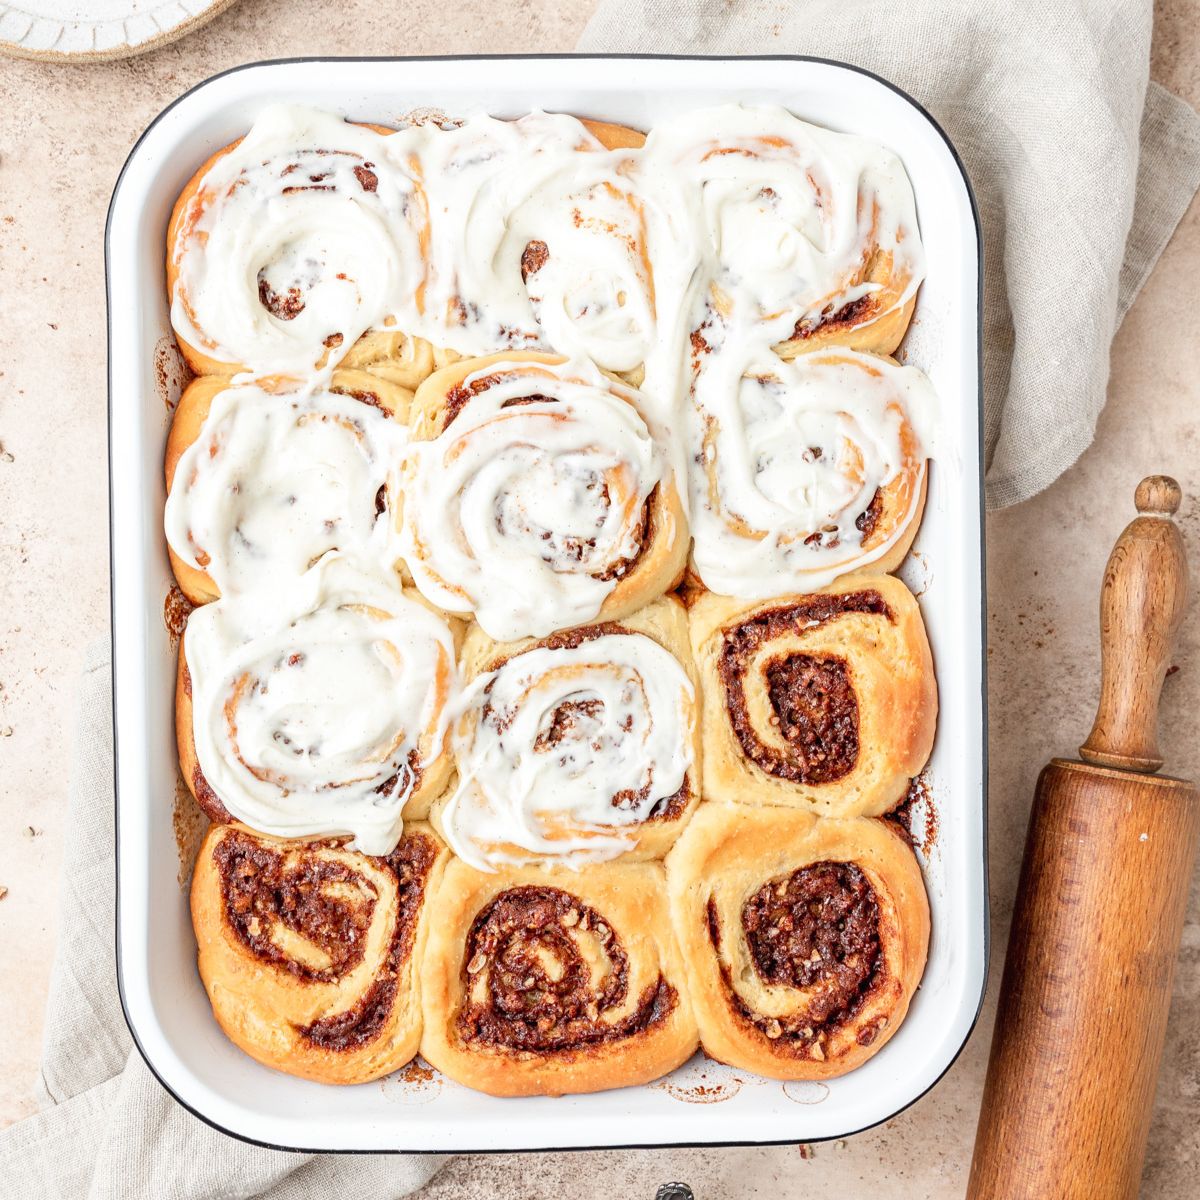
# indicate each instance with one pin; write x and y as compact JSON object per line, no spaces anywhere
{"x":1142,"y":601}
{"x":1158,"y":494}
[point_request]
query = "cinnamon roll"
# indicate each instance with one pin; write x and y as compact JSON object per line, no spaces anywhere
{"x":547,"y":982}
{"x":576,"y":748}
{"x":263,"y":479}
{"x":808,"y":234}
{"x":317,"y":710}
{"x":290,"y":243}
{"x":825,"y":700}
{"x":803,"y":938}
{"x":806,"y":471}
{"x":538,"y":496}
{"x":309,"y":952}
{"x":563,"y":262}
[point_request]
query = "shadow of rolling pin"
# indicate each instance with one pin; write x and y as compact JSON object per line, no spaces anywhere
{"x":1099,"y":910}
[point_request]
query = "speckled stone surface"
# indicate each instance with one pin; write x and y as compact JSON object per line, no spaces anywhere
{"x":64,"y":132}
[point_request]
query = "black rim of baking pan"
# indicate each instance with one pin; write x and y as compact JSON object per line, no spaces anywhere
{"x":982,"y":614}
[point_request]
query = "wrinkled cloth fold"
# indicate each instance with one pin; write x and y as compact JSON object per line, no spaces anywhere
{"x":109,"y":1131}
{"x":1081,"y":170}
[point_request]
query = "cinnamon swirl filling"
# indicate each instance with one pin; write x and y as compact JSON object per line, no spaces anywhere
{"x":812,"y":697}
{"x":311,"y":917}
{"x":815,"y":931}
{"x":544,"y":972}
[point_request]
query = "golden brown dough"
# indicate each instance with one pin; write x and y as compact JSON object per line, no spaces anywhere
{"x":548,"y":982}
{"x":803,"y":938}
{"x":192,"y":411}
{"x":664,"y":622}
{"x":826,"y":701}
{"x":309,"y":951}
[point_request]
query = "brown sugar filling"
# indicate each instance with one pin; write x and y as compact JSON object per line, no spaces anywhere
{"x":812,"y":696}
{"x":263,"y":887}
{"x":523,"y":950}
{"x":816,"y":929}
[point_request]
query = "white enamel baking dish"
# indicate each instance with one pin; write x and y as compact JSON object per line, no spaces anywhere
{"x":704,"y":1102}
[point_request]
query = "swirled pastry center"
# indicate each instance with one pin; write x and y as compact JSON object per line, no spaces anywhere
{"x":309,"y":914}
{"x":812,"y":941}
{"x":566,"y":749}
{"x":544,"y":972}
{"x":814,"y":733}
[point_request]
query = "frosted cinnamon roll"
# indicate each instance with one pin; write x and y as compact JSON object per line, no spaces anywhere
{"x":547,"y":982}
{"x":558,"y":257}
{"x":318,"y":709}
{"x":803,"y":938}
{"x":538,"y":496}
{"x":825,"y":701}
{"x":500,"y":192}
{"x":809,"y":234}
{"x":578,"y":748}
{"x":805,"y":471}
{"x":309,"y":952}
{"x":262,"y":480}
{"x":289,"y":244}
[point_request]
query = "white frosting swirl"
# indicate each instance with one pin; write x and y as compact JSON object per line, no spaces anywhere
{"x":788,"y":218}
{"x":317,"y":706}
{"x":529,"y":507}
{"x":302,"y":237}
{"x":272,"y":482}
{"x":790,"y":456}
{"x":563,"y":753}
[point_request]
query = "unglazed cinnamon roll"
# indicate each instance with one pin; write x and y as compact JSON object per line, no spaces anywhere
{"x":290,"y":243}
{"x":263,"y":479}
{"x":319,"y":709}
{"x":806,"y":471}
{"x":809,"y":234}
{"x":309,"y":951}
{"x":547,"y":982}
{"x":538,"y":496}
{"x":576,"y":748}
{"x":825,"y":701}
{"x":803,"y":938}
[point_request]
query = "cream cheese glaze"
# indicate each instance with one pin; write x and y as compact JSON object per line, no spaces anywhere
{"x":696,"y":266}
{"x":274,"y":481}
{"x":790,"y":455}
{"x":305,"y":234}
{"x":563,"y":752}
{"x":529,"y":506}
{"x":317,"y":705}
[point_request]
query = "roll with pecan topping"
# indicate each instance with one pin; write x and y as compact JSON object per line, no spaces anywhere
{"x":309,"y":951}
{"x":825,"y":700}
{"x":803,"y":938}
{"x":547,"y":982}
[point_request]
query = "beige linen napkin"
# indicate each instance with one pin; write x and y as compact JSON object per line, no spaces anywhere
{"x":111,"y":1132}
{"x":1080,"y":171}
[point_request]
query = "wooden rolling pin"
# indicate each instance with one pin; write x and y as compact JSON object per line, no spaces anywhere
{"x":1099,"y":911}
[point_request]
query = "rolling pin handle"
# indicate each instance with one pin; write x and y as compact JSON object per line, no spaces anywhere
{"x":1142,"y":601}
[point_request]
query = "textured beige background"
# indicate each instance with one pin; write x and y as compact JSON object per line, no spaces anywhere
{"x":64,"y":132}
